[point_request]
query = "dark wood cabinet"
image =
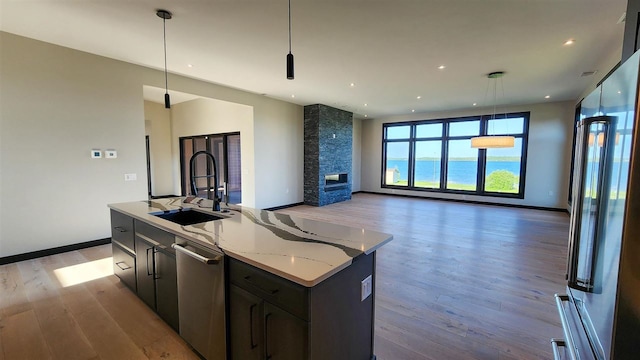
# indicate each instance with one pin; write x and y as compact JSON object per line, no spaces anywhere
{"x":166,"y":287}
{"x":273,"y":318}
{"x":260,"y":330}
{"x":157,"y":281}
{"x":122,"y":245}
{"x":122,"y":230}
{"x":246,"y":319}
{"x":124,"y":266}
{"x":144,"y":272}
{"x":285,"y":336}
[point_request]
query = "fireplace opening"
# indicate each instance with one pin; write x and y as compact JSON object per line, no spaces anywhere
{"x":335,"y":181}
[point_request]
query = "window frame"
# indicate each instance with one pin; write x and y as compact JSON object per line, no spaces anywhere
{"x":444,"y":154}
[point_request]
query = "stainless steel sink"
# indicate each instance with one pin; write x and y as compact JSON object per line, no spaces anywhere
{"x":188,"y":217}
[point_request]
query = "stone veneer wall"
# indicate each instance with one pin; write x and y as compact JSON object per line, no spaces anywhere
{"x":328,"y":142}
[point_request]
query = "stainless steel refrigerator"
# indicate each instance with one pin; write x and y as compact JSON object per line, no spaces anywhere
{"x":600,"y":313}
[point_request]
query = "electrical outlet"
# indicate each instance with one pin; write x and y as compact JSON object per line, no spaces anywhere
{"x":365,"y":288}
{"x":110,"y":154}
{"x":130,"y":177}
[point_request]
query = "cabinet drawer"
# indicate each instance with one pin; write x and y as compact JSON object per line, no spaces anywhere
{"x":165,"y":239}
{"x":124,"y":266}
{"x":274,"y":289}
{"x":122,"y":230}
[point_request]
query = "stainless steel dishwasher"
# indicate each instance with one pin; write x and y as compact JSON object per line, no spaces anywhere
{"x":201,"y":299}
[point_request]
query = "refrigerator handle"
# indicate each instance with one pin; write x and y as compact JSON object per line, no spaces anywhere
{"x":604,"y":170}
{"x":556,"y":344}
{"x":568,"y":338}
{"x":576,"y":202}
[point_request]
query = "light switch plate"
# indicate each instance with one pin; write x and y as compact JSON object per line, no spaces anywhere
{"x":130,"y":177}
{"x":110,"y":154}
{"x":96,"y":154}
{"x":365,"y":288}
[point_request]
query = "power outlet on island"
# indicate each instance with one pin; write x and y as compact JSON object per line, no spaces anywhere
{"x":365,"y":288}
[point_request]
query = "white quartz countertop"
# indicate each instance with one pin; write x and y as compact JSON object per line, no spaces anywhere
{"x":301,"y":250}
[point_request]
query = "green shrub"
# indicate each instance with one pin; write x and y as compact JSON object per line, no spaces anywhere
{"x":502,"y":180}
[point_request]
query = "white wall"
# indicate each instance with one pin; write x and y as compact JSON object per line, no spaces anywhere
{"x":209,"y":116}
{"x":158,"y":128}
{"x":58,"y":103}
{"x":548,"y":157}
{"x":276,"y":184}
{"x":356,"y":165}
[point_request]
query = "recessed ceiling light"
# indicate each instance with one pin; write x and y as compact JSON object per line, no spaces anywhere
{"x":190,"y":65}
{"x":413,"y":110}
{"x":365,"y":115}
{"x":292,"y":95}
{"x":418,"y":97}
{"x":569,"y":42}
{"x":365,"y":104}
{"x":619,"y":92}
{"x":441,"y":67}
{"x":475,"y":104}
{"x":548,"y":97}
{"x":352,"y":84}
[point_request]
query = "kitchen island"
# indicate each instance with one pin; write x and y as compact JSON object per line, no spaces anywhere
{"x":294,"y":288}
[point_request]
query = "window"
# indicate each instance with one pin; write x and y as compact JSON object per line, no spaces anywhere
{"x":436,"y":155}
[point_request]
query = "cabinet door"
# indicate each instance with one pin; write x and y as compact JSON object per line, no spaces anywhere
{"x":246,"y":325}
{"x":286,"y":336}
{"x":124,"y":266}
{"x":144,"y":272}
{"x":166,"y":287}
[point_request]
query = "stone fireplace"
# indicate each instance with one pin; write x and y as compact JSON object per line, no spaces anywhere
{"x":328,"y":142}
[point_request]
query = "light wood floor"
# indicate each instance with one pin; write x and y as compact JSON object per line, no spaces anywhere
{"x":458,"y":281}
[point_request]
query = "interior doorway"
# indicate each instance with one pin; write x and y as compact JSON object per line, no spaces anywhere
{"x":146,"y":138}
{"x":226,"y":149}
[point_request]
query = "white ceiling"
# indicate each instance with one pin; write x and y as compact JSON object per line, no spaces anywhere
{"x":390,"y":49}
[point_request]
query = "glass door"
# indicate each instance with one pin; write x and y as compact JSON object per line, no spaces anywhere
{"x":226,"y":150}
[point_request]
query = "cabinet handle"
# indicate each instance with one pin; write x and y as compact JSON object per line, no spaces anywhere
{"x":250,"y":281}
{"x":148,"y":271}
{"x":253,"y":345}
{"x":156,"y":275}
{"x":266,"y":336}
{"x":209,"y":261}
{"x":121,"y":268}
{"x":120,"y":229}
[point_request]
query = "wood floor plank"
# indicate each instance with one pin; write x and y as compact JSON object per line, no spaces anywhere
{"x":13,"y":299}
{"x":62,"y":334}
{"x":22,"y":338}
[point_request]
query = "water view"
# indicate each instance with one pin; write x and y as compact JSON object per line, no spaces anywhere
{"x":461,"y":173}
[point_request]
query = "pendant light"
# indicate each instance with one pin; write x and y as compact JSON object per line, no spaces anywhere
{"x":290,"y":55}
{"x":165,"y":15}
{"x":493,"y":141}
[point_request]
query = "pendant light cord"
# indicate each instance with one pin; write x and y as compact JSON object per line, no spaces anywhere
{"x":495,"y":88}
{"x":289,"y":26}
{"x":164,"y":33}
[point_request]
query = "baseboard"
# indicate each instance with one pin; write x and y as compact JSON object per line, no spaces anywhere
{"x":471,"y":201}
{"x":163,"y":196}
{"x":53,"y":251}
{"x":283,"y":206}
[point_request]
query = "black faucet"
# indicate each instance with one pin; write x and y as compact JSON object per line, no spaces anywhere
{"x":194,"y":190}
